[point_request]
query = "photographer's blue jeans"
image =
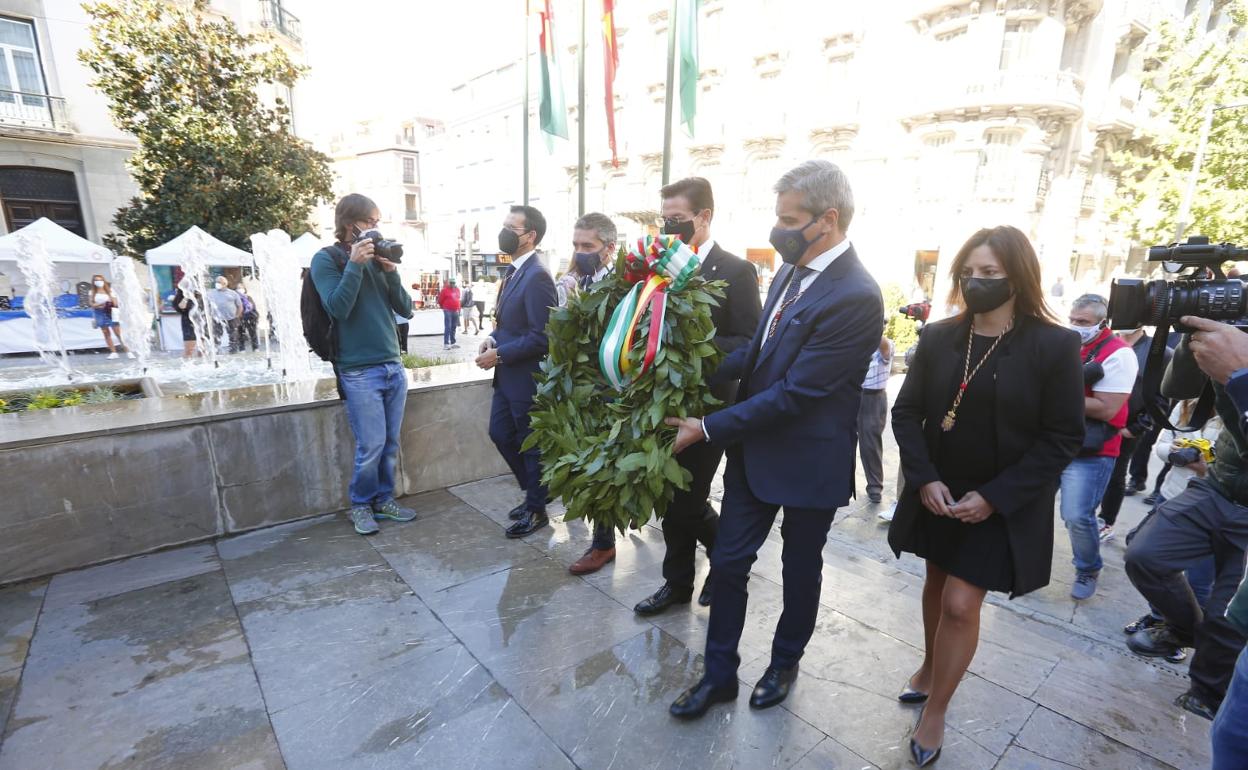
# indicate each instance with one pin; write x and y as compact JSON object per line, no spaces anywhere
{"x":1083,"y":486}
{"x":1229,"y":733}
{"x":450,"y":320}
{"x":376,"y":396}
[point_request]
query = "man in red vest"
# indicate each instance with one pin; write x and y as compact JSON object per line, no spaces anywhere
{"x":1110,"y":367}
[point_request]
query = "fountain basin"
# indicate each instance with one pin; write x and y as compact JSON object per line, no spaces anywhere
{"x":87,"y":485}
{"x":140,"y":387}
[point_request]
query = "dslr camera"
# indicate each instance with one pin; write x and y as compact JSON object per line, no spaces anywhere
{"x":1204,"y":292}
{"x":383,"y":247}
{"x":1185,"y":451}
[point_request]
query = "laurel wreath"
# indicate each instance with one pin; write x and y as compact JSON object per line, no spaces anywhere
{"x":606,"y":452}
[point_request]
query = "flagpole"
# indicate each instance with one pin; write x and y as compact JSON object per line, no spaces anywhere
{"x":667,"y":102}
{"x":524,"y":119}
{"x":580,"y":122}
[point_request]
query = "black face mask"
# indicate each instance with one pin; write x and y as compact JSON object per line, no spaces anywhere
{"x":983,"y":295}
{"x":508,"y":241}
{"x":682,"y":230}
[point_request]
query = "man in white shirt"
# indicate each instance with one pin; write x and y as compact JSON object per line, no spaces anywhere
{"x":1109,"y":376}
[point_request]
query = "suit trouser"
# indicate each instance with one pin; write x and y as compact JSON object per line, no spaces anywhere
{"x":1143,"y":454}
{"x":690,"y":519}
{"x":743,"y":528}
{"x":872,"y":416}
{"x":1197,"y":524}
{"x":509,"y":427}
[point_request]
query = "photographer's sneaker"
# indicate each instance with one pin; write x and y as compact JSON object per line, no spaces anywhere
{"x":362,"y":519}
{"x":391,"y":510}
{"x":1141,"y":623}
{"x":1085,"y":586}
{"x":1106,"y":532}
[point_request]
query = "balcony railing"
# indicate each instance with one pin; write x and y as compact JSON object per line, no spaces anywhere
{"x":1059,"y":93}
{"x":282,"y":20}
{"x":29,"y":110}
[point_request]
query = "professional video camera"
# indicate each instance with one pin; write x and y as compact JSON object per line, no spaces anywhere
{"x":1204,"y":292}
{"x":1134,"y":302}
{"x":386,"y":249}
{"x":917,"y":311}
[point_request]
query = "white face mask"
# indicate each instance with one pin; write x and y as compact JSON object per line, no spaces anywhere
{"x":100,"y":284}
{"x":1087,"y":333}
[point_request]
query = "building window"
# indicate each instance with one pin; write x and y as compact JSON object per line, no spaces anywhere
{"x":26,"y":194}
{"x":409,"y":170}
{"x":409,"y":134}
{"x":19,"y":66}
{"x":411,"y":204}
{"x":997,"y":170}
{"x":1015,"y":44}
{"x":936,"y":172}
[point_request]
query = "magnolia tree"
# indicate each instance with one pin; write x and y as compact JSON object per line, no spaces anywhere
{"x":211,"y":152}
{"x":1192,"y":70}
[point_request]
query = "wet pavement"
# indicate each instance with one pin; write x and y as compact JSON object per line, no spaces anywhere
{"x":441,"y":644}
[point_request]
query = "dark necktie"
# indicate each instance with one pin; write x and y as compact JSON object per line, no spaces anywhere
{"x":502,"y":287}
{"x":791,"y":294}
{"x":586,"y":282}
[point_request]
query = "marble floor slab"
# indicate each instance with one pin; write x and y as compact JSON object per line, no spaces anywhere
{"x":440,"y":643}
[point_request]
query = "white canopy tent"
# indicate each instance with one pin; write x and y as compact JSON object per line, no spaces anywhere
{"x":217,"y":253}
{"x":65,"y":249}
{"x":194,"y":246}
{"x":306,"y":247}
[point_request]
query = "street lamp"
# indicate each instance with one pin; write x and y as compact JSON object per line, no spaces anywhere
{"x":1185,"y":207}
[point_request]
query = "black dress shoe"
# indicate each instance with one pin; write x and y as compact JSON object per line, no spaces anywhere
{"x":694,"y":702}
{"x":704,"y":598}
{"x":517,"y":513}
{"x":1190,"y":701}
{"x":661,"y":599}
{"x":526,"y":525}
{"x":773,"y":688}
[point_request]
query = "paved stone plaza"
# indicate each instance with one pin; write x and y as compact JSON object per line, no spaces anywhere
{"x":440,"y":644}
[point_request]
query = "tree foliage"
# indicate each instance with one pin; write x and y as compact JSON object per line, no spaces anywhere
{"x":1191,"y":70}
{"x":211,"y":152}
{"x":608,"y":455}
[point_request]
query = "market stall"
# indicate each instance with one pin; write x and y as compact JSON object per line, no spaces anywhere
{"x":75,"y":260}
{"x":165,"y":263}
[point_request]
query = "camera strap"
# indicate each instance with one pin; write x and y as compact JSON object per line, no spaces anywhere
{"x":1154,"y":371}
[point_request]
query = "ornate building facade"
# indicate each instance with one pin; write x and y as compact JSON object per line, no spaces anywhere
{"x":947,"y":116}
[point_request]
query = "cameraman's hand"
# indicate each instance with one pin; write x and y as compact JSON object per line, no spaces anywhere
{"x":486,"y":344}
{"x":362,"y":251}
{"x":1219,"y":348}
{"x":386,"y":265}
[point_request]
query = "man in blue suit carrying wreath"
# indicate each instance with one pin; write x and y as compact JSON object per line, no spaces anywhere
{"x":791,"y":435}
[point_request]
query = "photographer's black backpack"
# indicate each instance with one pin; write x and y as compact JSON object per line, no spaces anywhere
{"x":318,"y":326}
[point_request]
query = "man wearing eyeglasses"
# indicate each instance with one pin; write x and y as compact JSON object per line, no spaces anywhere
{"x":514,"y":350}
{"x":688,"y":208}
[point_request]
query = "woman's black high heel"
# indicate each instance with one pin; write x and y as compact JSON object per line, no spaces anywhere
{"x":921,"y":756}
{"x":911,"y":696}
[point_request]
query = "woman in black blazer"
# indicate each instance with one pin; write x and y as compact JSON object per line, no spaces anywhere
{"x":990,"y":413}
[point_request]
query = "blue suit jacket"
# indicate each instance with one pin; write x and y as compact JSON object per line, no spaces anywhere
{"x":520,"y":328}
{"x":795,"y":421}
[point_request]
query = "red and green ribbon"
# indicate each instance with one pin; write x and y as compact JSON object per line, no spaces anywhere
{"x":655,"y":266}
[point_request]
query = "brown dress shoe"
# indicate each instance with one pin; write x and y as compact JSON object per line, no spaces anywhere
{"x":593,"y":560}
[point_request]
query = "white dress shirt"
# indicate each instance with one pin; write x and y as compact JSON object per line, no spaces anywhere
{"x":818,"y":265}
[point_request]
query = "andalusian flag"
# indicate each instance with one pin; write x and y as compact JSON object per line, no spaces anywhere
{"x":553,"y":113}
{"x":611,"y":54}
{"x":687,"y":18}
